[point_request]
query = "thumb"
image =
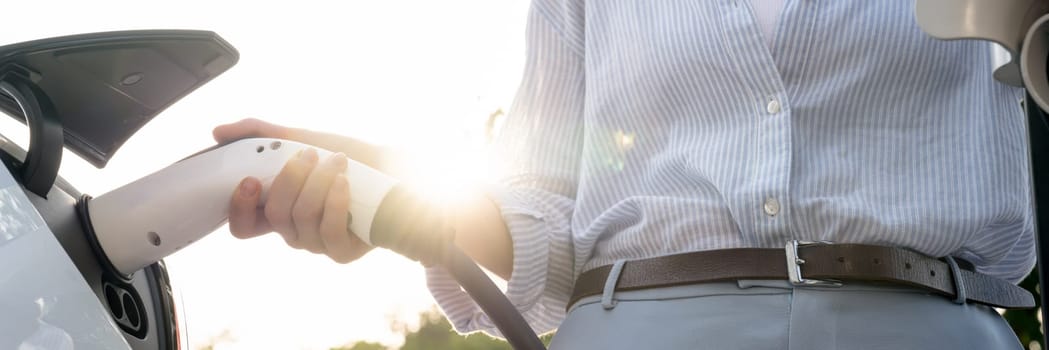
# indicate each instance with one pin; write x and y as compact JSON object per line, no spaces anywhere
{"x":363,"y":152}
{"x":250,"y":127}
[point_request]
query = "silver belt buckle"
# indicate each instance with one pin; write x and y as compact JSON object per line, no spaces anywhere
{"x":794,"y":266}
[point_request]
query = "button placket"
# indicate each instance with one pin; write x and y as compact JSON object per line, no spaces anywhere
{"x":769,"y":110}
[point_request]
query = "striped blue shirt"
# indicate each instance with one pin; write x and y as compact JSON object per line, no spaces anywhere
{"x":652,"y":127}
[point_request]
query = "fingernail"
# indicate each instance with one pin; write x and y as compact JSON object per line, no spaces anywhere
{"x":309,"y":155}
{"x":338,"y":161}
{"x":248,"y":188}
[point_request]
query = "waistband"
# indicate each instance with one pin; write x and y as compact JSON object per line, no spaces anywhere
{"x":807,"y":264}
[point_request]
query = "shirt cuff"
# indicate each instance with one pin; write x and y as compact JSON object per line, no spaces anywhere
{"x":542,"y":274}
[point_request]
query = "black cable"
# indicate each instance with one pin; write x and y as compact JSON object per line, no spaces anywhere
{"x":407,"y":224}
{"x":492,"y":301}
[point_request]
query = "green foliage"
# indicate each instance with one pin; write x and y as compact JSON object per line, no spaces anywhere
{"x":435,"y":333}
{"x":361,"y":345}
{"x":1025,"y":322}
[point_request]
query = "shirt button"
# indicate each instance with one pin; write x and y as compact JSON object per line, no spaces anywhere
{"x":773,"y":107}
{"x":771,"y":206}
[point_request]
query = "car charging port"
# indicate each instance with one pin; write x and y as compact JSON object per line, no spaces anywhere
{"x":122,"y":299}
{"x":92,"y":239}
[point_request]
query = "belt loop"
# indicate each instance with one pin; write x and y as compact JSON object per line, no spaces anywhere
{"x":610,"y":285}
{"x":959,"y":285}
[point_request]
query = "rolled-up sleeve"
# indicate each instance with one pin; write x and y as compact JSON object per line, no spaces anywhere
{"x":538,"y":148}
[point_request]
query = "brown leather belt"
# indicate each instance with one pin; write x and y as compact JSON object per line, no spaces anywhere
{"x":812,"y":264}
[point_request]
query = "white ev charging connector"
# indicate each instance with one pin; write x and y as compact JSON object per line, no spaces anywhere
{"x":142,"y":222}
{"x":155,"y":216}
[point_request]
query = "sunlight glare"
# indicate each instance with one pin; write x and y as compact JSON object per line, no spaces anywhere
{"x":417,"y":75}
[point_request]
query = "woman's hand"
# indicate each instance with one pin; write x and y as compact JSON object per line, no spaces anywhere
{"x":308,"y":202}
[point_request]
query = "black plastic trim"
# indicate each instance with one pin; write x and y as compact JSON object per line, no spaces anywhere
{"x":163,"y":305}
{"x":142,"y":330}
{"x":89,"y":232}
{"x":40,"y":168}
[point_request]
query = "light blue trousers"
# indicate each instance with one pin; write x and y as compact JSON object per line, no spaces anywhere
{"x":759,"y":315}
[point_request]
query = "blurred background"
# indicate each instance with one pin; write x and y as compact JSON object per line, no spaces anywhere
{"x":423,"y":76}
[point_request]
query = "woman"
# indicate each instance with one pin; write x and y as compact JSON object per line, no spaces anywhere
{"x":666,"y":133}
